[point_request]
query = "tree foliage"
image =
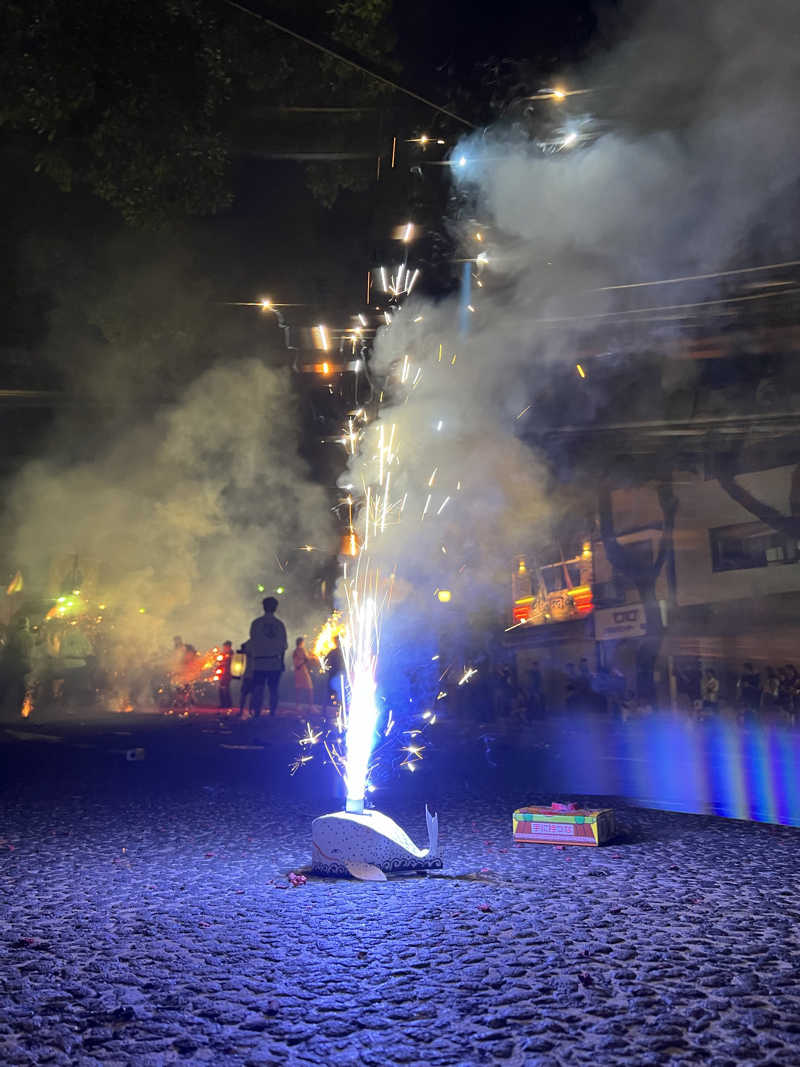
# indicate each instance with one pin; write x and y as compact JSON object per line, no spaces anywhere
{"x":142,"y":101}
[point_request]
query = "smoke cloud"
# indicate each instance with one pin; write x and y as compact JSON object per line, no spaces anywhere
{"x":682,"y":161}
{"x":177,"y":523}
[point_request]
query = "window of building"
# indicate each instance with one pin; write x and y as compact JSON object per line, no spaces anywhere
{"x":750,"y":544}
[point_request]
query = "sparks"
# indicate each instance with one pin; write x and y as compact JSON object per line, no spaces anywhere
{"x":322,"y":333}
{"x":311,"y":736}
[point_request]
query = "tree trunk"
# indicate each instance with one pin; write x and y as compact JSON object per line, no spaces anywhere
{"x":788,"y":524}
{"x":643,"y":577}
{"x":650,"y":644}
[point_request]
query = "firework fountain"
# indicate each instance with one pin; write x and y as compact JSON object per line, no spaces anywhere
{"x":358,"y":838}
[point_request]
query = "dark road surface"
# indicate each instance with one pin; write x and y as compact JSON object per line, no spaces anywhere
{"x":146,"y":917}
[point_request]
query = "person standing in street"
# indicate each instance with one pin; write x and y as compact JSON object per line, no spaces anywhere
{"x":710,"y":690}
{"x":334,"y":666}
{"x":75,"y":650}
{"x":750,"y":688}
{"x":224,"y":676}
{"x":16,"y":657}
{"x":536,"y":705}
{"x":246,"y":687}
{"x":268,"y":646}
{"x":303,"y":684}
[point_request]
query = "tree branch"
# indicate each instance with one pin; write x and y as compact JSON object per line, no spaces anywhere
{"x":770,"y":516}
{"x":615,"y":553}
{"x":669,"y":509}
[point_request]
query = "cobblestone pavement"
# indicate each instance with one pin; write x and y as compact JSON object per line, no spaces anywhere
{"x":149,"y":923}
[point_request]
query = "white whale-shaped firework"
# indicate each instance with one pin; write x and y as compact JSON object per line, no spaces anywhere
{"x":346,"y":839}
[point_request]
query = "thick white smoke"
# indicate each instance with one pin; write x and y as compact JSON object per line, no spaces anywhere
{"x":687,"y":174}
{"x":176,"y":525}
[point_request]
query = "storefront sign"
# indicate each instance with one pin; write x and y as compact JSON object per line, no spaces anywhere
{"x":612,"y":624}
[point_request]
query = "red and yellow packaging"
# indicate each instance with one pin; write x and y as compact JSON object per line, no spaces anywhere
{"x":560,"y":825}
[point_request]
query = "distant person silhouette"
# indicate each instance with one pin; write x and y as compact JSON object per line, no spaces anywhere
{"x":246,"y":689}
{"x":303,"y":684}
{"x":225,"y":675}
{"x":750,"y":688}
{"x":268,"y":645}
{"x":334,"y":663}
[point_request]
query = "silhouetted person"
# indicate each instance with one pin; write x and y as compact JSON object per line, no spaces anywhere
{"x":771,"y":692}
{"x":267,"y":646}
{"x":15,"y":663}
{"x":74,"y":651}
{"x":750,"y":688}
{"x":788,"y":684}
{"x":176,"y":657}
{"x":536,"y":691}
{"x":303,"y":684}
{"x":334,"y":664}
{"x":246,"y":688}
{"x":225,"y":675}
{"x":585,"y":673}
{"x":710,"y":690}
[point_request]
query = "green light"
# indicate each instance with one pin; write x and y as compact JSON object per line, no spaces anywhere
{"x":280,"y":590}
{"x":260,"y":588}
{"x":61,"y":600}
{"x":141,"y":611}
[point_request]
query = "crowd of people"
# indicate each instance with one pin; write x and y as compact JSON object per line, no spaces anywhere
{"x":778,"y":688}
{"x":499,"y":692}
{"x":54,"y":667}
{"x":57,"y":664}
{"x":264,"y":655}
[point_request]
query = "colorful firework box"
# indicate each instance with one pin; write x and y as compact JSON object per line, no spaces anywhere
{"x":564,"y":824}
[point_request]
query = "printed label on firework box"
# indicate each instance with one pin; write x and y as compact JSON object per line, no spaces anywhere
{"x":558,"y":826}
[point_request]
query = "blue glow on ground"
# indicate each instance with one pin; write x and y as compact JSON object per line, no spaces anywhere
{"x":719,"y":766}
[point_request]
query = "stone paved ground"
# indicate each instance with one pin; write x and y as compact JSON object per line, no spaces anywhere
{"x":146,"y":919}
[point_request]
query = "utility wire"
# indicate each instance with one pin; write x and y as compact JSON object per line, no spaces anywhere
{"x":698,"y":277}
{"x":669,"y":307}
{"x":349,"y":62}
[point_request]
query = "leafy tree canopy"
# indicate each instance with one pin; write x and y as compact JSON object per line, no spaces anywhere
{"x":138,"y":99}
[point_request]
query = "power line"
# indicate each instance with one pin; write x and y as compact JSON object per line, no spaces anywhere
{"x":699,"y":277}
{"x":349,"y":62}
{"x":668,"y":307}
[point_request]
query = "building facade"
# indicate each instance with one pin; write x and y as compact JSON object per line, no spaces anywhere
{"x":728,"y":593}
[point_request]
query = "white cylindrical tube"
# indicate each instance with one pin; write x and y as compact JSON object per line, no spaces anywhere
{"x":355,"y":805}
